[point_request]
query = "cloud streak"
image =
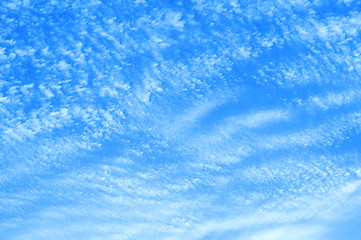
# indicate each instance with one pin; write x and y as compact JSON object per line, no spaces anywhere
{"x":185,"y":120}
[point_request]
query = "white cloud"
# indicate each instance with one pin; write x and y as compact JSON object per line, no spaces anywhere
{"x":296,"y":232}
{"x":120,"y":121}
{"x":46,"y":91}
{"x":334,"y":99}
{"x":259,"y":119}
{"x":174,"y":19}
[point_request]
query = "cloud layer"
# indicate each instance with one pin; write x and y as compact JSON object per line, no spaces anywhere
{"x":179,"y":120}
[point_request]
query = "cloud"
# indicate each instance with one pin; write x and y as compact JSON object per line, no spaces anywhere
{"x":259,"y":119}
{"x":186,"y":120}
{"x":289,"y":233}
{"x":334,"y":99}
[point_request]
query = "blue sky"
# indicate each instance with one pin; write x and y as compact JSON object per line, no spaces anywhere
{"x":186,"y":119}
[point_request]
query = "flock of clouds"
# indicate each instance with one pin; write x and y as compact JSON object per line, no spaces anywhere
{"x":188,"y":119}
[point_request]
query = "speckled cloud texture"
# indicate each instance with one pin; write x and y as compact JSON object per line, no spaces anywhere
{"x":194,"y":119}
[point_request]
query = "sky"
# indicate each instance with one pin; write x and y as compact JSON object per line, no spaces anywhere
{"x":194,"y":119}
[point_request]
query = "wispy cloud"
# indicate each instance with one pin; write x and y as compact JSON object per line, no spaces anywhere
{"x":178,"y":120}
